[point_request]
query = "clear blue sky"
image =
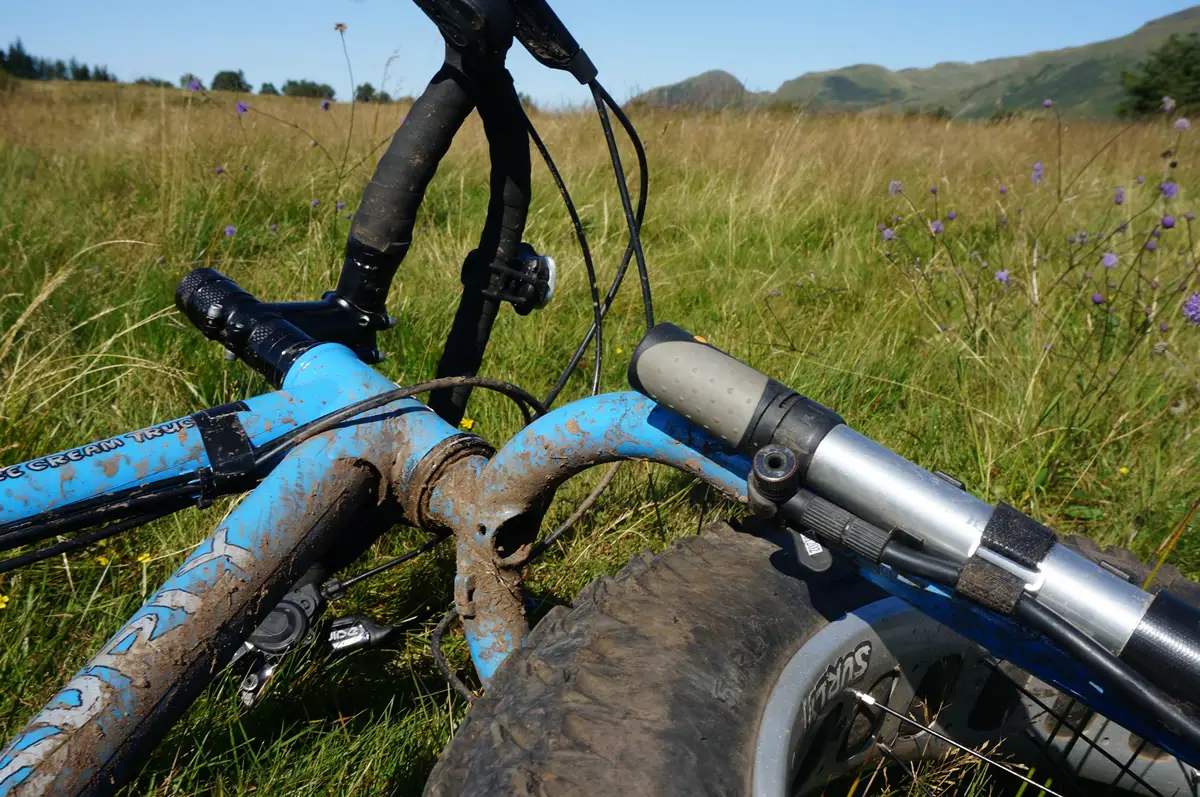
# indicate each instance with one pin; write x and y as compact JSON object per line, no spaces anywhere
{"x":637,"y":44}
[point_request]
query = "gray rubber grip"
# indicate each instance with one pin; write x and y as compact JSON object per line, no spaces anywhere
{"x":701,"y":383}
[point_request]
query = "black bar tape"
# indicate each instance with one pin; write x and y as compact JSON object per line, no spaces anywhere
{"x":1017,"y":536}
{"x":230,"y":453}
{"x":381,"y":232}
{"x":508,"y":208}
{"x":1165,"y":647}
{"x":990,"y":586}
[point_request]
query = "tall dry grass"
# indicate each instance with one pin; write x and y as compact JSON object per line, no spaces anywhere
{"x":762,"y":234}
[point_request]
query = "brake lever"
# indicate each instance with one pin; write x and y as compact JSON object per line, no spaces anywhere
{"x":547,"y":39}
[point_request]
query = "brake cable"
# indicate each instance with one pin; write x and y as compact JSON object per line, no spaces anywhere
{"x":179,"y":492}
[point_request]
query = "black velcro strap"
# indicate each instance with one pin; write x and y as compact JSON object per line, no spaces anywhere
{"x":230,"y":454}
{"x":1018,"y":537}
{"x":991,"y":586}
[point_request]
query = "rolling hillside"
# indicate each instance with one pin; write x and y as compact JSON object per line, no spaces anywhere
{"x":1083,"y":80}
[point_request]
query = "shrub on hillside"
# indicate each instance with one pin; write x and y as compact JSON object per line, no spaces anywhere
{"x":1172,"y":72}
{"x":228,"y":80}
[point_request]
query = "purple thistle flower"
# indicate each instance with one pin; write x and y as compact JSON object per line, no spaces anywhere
{"x":936,"y":227}
{"x":1151,"y":246}
{"x":1109,"y":260}
{"x":1039,"y":171}
{"x":1169,"y":189}
{"x":241,"y":108}
{"x":230,"y":231}
{"x":951,"y":216}
{"x":1046,"y":103}
{"x":314,"y":203}
{"x":1097,"y":298}
{"x":1190,"y":216}
{"x":1191,"y":309}
{"x":1168,"y":222}
{"x":880,"y":227}
{"x":194,"y":85}
{"x":1140,"y":179}
{"x":933,"y":190}
{"x":325,"y":105}
{"x":219,"y":170}
{"x":895,"y":219}
{"x":1071,"y":240}
{"x":1004,"y":277}
{"x":1119,"y":196}
{"x":888,"y":234}
{"x":1003,"y":189}
{"x":1182,"y":124}
{"x":340,"y":205}
{"x":1168,"y":104}
{"x":895,"y":188}
{"x":273,"y":227}
{"x":160,"y":261}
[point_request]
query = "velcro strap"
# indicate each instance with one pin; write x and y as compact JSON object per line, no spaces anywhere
{"x":991,"y":586}
{"x":1018,"y":537}
{"x":230,"y":454}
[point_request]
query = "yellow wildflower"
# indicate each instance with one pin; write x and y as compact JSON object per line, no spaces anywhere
{"x":3,"y":601}
{"x":143,"y":558}
{"x":1123,"y":471}
{"x":620,"y":350}
{"x":104,"y":560}
{"x":466,"y":423}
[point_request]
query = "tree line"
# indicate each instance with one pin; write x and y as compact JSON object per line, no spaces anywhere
{"x":20,"y":64}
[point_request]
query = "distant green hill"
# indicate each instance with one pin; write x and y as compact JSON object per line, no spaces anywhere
{"x":1082,"y":80}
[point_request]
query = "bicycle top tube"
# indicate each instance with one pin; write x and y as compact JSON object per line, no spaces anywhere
{"x":323,"y":379}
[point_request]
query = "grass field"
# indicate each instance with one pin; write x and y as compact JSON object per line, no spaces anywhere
{"x":979,"y":351}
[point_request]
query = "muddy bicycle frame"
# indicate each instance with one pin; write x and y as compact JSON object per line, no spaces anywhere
{"x":445,"y":480}
{"x":322,"y":495}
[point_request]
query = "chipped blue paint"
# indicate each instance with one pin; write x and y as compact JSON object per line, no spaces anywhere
{"x":27,"y":740}
{"x":324,"y":379}
{"x":546,"y":453}
{"x":129,"y":676}
{"x":15,"y":779}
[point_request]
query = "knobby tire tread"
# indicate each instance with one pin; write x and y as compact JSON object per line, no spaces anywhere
{"x":654,"y":681}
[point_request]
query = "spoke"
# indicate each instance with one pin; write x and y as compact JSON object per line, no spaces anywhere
{"x":867,"y":700}
{"x":1124,"y":770}
{"x":1062,"y":720}
{"x":908,"y":770}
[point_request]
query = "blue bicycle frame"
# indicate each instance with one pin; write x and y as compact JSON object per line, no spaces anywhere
{"x":486,"y":501}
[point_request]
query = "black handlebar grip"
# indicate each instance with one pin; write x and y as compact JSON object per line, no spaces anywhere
{"x":729,"y":399}
{"x":546,"y":38}
{"x":208,"y":298}
{"x":224,"y":312}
